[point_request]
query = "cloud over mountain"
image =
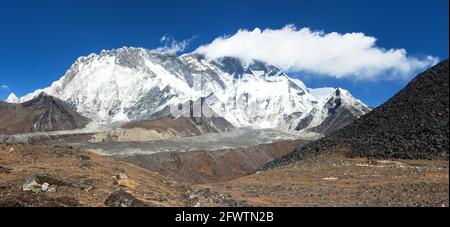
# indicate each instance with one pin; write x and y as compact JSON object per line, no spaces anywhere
{"x":172,"y":46}
{"x":331,"y":54}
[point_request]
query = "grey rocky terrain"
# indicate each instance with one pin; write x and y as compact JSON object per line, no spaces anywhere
{"x":41,"y":114}
{"x":414,"y":124}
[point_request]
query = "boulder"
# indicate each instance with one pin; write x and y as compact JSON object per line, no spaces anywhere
{"x":120,"y":198}
{"x":123,"y":180}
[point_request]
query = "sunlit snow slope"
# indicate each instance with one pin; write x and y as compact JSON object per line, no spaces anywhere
{"x":137,"y":84}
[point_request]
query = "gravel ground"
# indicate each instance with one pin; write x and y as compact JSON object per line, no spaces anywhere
{"x":337,"y":180}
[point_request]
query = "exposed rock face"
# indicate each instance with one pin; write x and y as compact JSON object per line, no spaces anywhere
{"x":205,"y":121}
{"x":339,"y":119}
{"x":414,"y":124}
{"x":192,"y":125}
{"x":43,"y":113}
{"x":163,"y":125}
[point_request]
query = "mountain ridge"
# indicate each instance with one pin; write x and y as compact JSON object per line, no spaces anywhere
{"x":41,"y":114}
{"x":247,"y":95}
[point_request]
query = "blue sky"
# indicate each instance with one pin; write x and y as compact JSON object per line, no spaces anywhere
{"x":39,"y":40}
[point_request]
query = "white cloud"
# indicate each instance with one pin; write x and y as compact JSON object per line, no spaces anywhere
{"x":330,"y":54}
{"x":171,"y":46}
{"x":164,"y":38}
{"x":4,"y":87}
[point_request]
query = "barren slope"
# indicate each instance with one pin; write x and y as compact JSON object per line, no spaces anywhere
{"x":414,"y":124}
{"x":43,"y":113}
{"x":86,"y":179}
{"x":337,"y":180}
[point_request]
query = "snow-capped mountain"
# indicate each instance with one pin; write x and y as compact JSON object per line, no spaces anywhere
{"x":137,"y":84}
{"x":12,"y":98}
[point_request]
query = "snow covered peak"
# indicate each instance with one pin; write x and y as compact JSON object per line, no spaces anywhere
{"x":331,"y":104}
{"x":328,"y":94}
{"x":12,"y":98}
{"x":136,"y":84}
{"x":321,"y":93}
{"x":347,"y":99}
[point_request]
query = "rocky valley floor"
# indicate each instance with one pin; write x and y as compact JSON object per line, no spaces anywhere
{"x":77,"y":178}
{"x":65,"y":176}
{"x":209,"y":166}
{"x":336,"y":180}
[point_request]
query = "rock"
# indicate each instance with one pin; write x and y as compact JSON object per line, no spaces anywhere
{"x":51,"y":180}
{"x":120,"y":198}
{"x":330,"y":178}
{"x":83,"y":184}
{"x":45,"y":187}
{"x":83,"y":157}
{"x":86,"y":166}
{"x":202,"y":195}
{"x":4,"y":169}
{"x":31,"y":184}
{"x":43,"y":183}
{"x":123,"y":180}
{"x":52,"y":189}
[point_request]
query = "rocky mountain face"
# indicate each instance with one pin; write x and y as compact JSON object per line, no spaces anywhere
{"x":43,"y":113}
{"x":163,"y":128}
{"x":187,"y":120}
{"x":414,"y":124}
{"x":130,"y":84}
{"x":191,"y":126}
